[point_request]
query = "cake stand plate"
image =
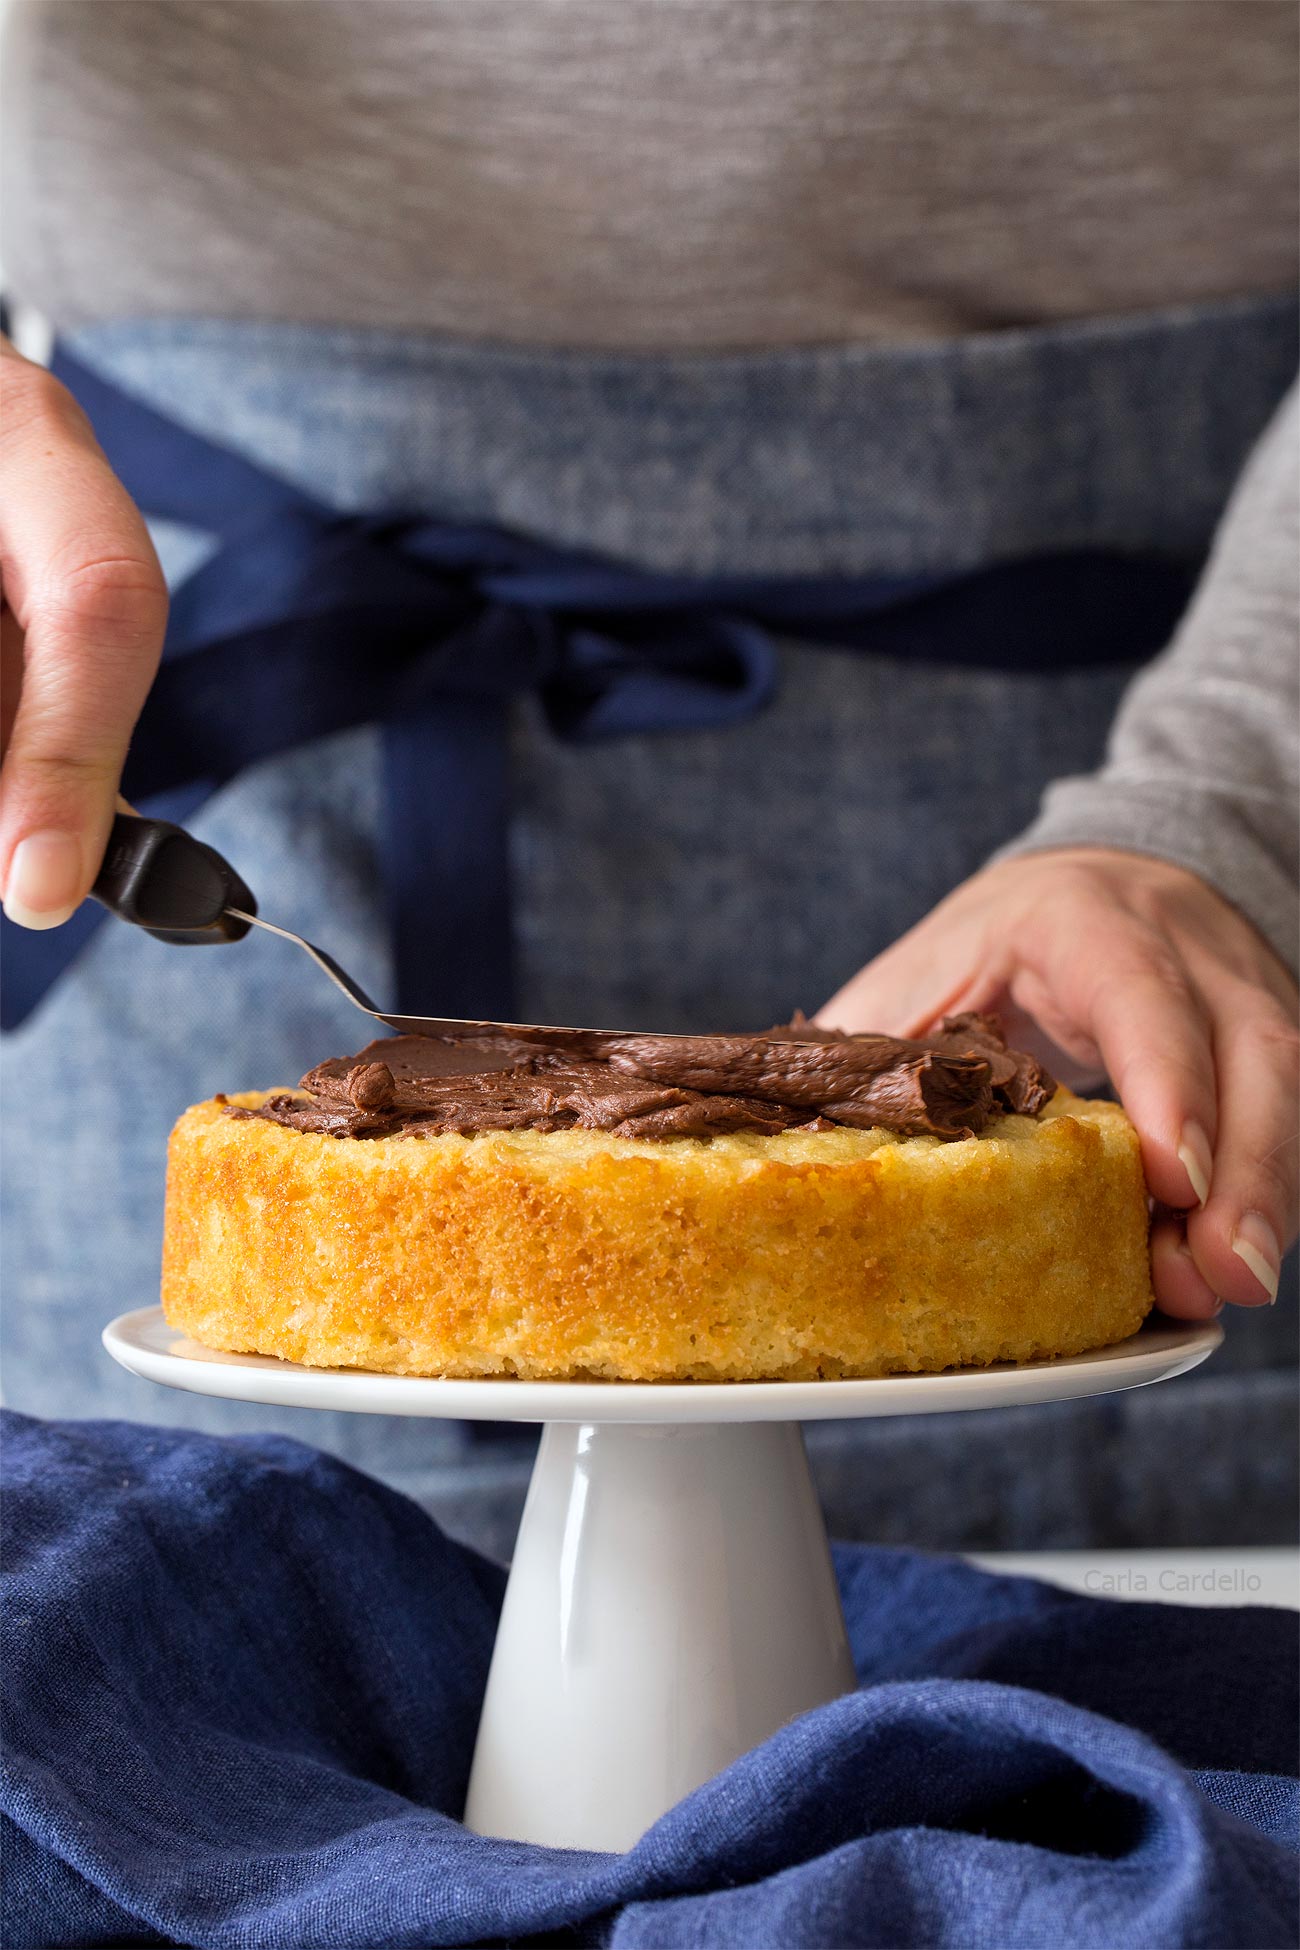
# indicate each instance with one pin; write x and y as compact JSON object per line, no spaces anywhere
{"x":671,"y":1601}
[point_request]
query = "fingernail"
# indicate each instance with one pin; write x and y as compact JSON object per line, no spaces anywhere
{"x":1255,"y":1243}
{"x":1216,"y":1309}
{"x":1197,"y":1160}
{"x":44,"y":880}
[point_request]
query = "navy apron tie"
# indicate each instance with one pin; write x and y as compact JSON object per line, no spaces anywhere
{"x":306,"y":622}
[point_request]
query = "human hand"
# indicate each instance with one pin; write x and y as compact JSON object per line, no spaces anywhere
{"x":84,"y":607}
{"x":1137,"y":970}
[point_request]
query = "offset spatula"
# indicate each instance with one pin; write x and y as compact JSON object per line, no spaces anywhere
{"x":174,"y":887}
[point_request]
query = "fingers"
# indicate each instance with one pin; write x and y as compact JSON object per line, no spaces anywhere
{"x":1154,"y":1035}
{"x":1238,"y":1237}
{"x":1181,"y":1289}
{"x":87,"y":610}
{"x":1192,"y":1017}
{"x":1207,"y":1068}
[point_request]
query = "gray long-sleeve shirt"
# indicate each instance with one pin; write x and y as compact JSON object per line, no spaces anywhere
{"x":1204,"y":761}
{"x":697,"y":175}
{"x":649,"y":174}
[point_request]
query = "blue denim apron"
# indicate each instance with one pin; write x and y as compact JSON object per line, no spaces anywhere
{"x":712,"y":876}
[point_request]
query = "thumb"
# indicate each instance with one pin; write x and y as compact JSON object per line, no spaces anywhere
{"x":86,"y":608}
{"x":936,"y":969}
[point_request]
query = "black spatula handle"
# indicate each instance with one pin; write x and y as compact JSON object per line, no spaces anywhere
{"x":158,"y":878}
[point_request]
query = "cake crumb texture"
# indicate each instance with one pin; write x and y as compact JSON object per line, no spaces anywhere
{"x":575,"y":1254}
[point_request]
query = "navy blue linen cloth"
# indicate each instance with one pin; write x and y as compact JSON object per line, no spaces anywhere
{"x":243,"y":1683}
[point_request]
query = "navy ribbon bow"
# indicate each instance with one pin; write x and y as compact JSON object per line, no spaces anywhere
{"x":306,"y":622}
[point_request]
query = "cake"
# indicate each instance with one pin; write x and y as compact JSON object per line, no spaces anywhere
{"x":792,"y":1206}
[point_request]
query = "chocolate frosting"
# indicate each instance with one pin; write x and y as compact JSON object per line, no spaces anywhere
{"x":796,"y":1076}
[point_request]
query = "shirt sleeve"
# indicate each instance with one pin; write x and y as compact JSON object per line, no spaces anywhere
{"x":1203,"y":764}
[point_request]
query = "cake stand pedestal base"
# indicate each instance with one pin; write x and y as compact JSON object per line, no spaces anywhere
{"x":671,"y":1602}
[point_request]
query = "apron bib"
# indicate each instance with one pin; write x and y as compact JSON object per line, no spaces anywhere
{"x":712,"y":873}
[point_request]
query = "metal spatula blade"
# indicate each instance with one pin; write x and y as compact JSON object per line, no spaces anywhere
{"x":407,"y":1025}
{"x":158,"y":877}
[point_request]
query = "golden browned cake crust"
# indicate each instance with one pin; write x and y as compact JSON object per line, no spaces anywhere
{"x":577,"y":1253}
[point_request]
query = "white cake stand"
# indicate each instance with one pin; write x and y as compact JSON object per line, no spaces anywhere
{"x":671,"y":1601}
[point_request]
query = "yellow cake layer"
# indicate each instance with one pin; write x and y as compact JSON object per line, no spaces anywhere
{"x":575,"y":1253}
